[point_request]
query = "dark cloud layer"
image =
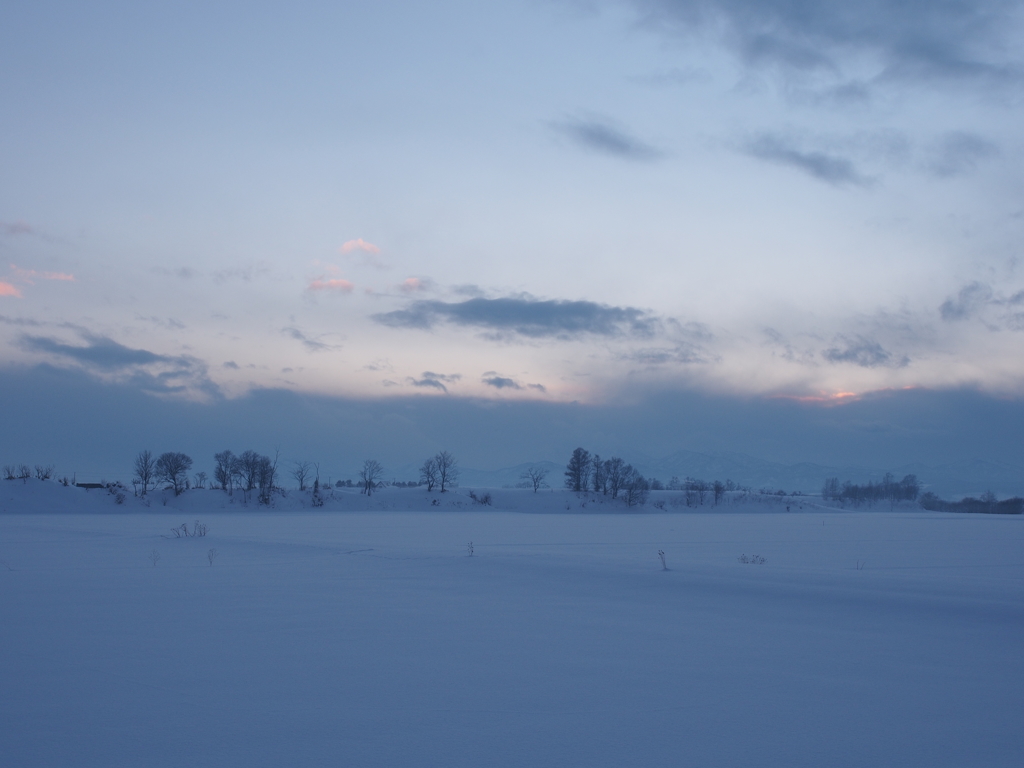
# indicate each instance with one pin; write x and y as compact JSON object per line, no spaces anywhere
{"x":953,"y":39}
{"x":81,"y":424}
{"x":528,"y":317}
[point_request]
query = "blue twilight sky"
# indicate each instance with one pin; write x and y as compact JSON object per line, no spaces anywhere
{"x":546,"y":203}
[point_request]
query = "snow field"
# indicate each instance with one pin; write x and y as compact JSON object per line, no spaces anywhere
{"x":372,"y":639}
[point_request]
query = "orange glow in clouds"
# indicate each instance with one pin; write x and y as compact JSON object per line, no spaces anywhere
{"x":834,"y":398}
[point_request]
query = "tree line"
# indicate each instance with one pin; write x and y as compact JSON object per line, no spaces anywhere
{"x":609,"y":477}
{"x":889,"y":489}
{"x":250,"y":472}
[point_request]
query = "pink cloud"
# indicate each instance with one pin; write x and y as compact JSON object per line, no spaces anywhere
{"x":359,"y":245}
{"x":412,"y":284}
{"x":28,"y":275}
{"x":6,"y":289}
{"x":333,"y":284}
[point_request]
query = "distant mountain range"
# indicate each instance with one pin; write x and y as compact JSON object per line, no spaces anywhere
{"x":966,"y":478}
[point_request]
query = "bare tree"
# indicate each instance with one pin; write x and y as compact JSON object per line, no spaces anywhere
{"x":266,"y":477}
{"x":301,"y":473}
{"x":44,"y":473}
{"x":199,"y":480}
{"x":634,"y":486}
{"x":428,"y":473}
{"x":316,"y":499}
{"x":225,"y":470}
{"x":172,"y":468}
{"x":577,"y":471}
{"x":598,"y":477}
{"x":447,"y":470}
{"x":370,"y":475}
{"x":718,"y":488}
{"x":145,"y":467}
{"x":534,"y":478}
{"x":249,"y":469}
{"x":614,"y":468}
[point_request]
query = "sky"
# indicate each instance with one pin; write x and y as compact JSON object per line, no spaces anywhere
{"x":545,"y":205}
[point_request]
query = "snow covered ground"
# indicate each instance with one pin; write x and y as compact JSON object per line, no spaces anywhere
{"x":364,"y":634}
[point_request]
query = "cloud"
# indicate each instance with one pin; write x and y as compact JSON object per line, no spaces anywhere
{"x":30,"y":275}
{"x":145,"y":370}
{"x":359,"y":245}
{"x":412,"y":285}
{"x":99,"y":352}
{"x":600,"y":136}
{"x":862,"y":352}
{"x":22,"y":321}
{"x":496,"y":380}
{"x":681,"y":353}
{"x":14,"y":228}
{"x":501,"y":382}
{"x":919,"y":39}
{"x":313,"y":345}
{"x":968,"y":302}
{"x":435,"y":380}
{"x":245,"y":274}
{"x":182,"y":273}
{"x":529,"y":317}
{"x":830,"y":168}
{"x":979,"y":300}
{"x":331,"y":284}
{"x":959,"y":152}
{"x":231,"y":364}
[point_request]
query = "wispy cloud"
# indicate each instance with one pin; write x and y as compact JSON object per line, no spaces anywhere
{"x":335,"y":284}
{"x":99,"y":352}
{"x":500,"y":382}
{"x":825,"y":166}
{"x":14,"y":228}
{"x":413,"y":285}
{"x":599,"y":135}
{"x":920,"y":40}
{"x":21,"y":276}
{"x":863,"y":352}
{"x":108,"y":359}
{"x":359,"y":245}
{"x":310,"y":343}
{"x":246,"y":273}
{"x":431,"y":380}
{"x":960,"y":152}
{"x":977,"y":300}
{"x":29,"y":276}
{"x":967,"y":303}
{"x":527,"y":316}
